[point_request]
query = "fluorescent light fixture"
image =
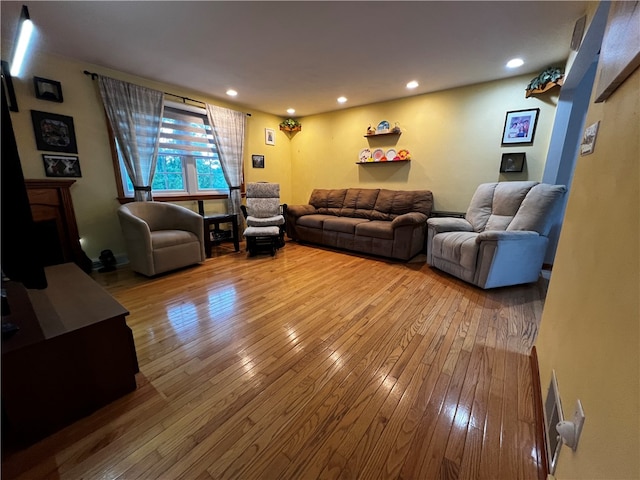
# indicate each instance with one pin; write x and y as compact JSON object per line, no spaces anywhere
{"x":515,"y":63}
{"x":291,"y":111}
{"x":232,"y":93}
{"x":412,"y":84}
{"x":25,"y":29}
{"x":342,"y":99}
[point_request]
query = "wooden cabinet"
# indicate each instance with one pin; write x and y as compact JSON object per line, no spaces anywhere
{"x":73,"y":353}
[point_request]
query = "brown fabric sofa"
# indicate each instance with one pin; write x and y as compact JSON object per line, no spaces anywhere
{"x":389,"y":223}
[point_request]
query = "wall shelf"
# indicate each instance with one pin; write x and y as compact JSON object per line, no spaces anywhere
{"x":289,"y":129}
{"x":382,"y":134}
{"x":378,"y":163}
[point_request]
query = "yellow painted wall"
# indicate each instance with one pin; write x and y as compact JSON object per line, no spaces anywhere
{"x":454,"y":137}
{"x":94,"y":194}
{"x":590,"y":332}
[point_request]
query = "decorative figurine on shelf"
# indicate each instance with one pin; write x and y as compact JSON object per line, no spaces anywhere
{"x":371,"y":130}
{"x":404,"y":154}
{"x":396,"y":129}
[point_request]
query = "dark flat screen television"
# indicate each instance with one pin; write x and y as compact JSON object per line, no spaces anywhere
{"x":20,"y":258}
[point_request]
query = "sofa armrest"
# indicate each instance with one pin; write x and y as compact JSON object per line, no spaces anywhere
{"x":501,"y":235}
{"x":447,"y":224}
{"x":411,"y":218}
{"x":296,"y":211}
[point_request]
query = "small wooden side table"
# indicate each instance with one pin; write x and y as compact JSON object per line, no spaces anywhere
{"x":216,"y":220}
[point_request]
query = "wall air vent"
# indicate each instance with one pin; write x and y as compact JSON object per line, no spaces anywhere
{"x":553,"y":415}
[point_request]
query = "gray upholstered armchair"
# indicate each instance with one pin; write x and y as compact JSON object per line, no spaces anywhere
{"x":161,"y":236}
{"x":503,"y":238}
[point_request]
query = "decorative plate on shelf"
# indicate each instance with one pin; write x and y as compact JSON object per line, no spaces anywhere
{"x":383,"y":127}
{"x":365,"y":155}
{"x":391,"y":154}
{"x":378,"y":154}
{"x":404,"y":154}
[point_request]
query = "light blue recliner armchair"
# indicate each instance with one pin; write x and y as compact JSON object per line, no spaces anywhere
{"x":503,"y":238}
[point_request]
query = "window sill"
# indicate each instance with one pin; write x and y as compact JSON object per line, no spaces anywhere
{"x":179,"y":198}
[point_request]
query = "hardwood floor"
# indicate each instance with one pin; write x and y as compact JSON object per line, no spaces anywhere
{"x":312,"y":364}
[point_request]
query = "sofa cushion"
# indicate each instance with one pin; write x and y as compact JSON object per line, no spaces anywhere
{"x":375,"y":229}
{"x":494,"y":205}
{"x":343,"y":224}
{"x":261,"y":232}
{"x":391,"y":203}
{"x":264,"y":221}
{"x":359,"y":202}
{"x":328,"y":201}
{"x":536,"y":211}
{"x":263,"y":207}
{"x":313,"y":221}
{"x":170,"y":238}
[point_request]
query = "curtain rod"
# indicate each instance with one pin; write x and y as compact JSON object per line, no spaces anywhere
{"x":184,"y":99}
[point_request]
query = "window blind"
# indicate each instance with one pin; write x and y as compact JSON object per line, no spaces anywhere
{"x":185,"y":133}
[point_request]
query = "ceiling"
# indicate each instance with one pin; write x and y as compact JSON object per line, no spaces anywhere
{"x":303,"y":54}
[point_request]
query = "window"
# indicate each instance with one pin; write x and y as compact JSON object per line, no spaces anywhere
{"x":188,"y":162}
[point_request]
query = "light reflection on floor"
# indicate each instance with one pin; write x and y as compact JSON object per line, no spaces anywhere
{"x":185,"y":318}
{"x":222,"y":302}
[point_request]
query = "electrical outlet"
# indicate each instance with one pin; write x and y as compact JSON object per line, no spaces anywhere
{"x":578,"y":421}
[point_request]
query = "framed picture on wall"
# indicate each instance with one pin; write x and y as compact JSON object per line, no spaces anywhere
{"x":47,"y":89}
{"x":258,"y":161}
{"x":512,"y":162}
{"x":589,"y":139}
{"x":61,"y":165}
{"x":54,"y":133}
{"x":269,"y":136}
{"x":520,"y":126}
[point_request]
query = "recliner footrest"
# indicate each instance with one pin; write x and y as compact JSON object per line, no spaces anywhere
{"x":262,"y":231}
{"x":262,"y":238}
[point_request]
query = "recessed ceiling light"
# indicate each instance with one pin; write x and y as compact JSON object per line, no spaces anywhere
{"x":232,"y":93}
{"x":342,"y":99}
{"x":412,"y":84}
{"x":515,"y":63}
{"x":291,"y":111}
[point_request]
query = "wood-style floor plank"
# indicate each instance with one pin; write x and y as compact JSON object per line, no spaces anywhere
{"x":311,"y":364}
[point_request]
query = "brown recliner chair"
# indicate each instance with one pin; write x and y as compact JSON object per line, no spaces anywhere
{"x":160,"y":237}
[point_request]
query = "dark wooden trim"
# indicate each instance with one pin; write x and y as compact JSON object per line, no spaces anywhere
{"x":538,"y":407}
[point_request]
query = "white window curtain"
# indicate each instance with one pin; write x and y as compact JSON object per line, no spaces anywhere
{"x":228,"y":131}
{"x":135,"y":115}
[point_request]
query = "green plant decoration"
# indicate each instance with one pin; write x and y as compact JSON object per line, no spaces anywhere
{"x":552,"y":74}
{"x":290,"y":123}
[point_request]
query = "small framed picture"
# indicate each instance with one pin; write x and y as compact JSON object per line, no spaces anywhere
{"x":589,"y":139}
{"x":512,"y":162}
{"x":258,"y":161}
{"x":54,"y":133}
{"x":61,"y":165}
{"x":47,"y":89}
{"x":269,"y":136}
{"x":520,"y":126}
